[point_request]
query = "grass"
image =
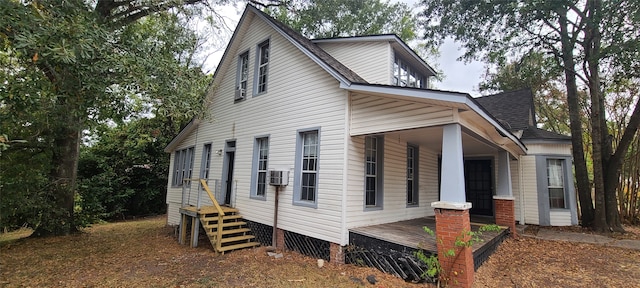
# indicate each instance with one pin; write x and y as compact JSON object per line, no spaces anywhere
{"x":9,"y":237}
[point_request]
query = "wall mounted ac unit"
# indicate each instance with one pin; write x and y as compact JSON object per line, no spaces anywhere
{"x":239,"y":94}
{"x":278,"y":177}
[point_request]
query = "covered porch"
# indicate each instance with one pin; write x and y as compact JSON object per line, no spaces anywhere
{"x":474,"y":178}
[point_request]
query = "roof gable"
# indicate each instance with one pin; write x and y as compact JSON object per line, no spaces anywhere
{"x":321,"y":57}
{"x":400,"y":46}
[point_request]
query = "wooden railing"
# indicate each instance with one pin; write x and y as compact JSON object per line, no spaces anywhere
{"x":203,"y":182}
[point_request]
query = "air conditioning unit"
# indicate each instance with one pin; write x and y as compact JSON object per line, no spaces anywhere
{"x":240,"y":94}
{"x":278,"y":177}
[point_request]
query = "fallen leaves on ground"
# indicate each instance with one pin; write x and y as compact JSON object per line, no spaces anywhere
{"x":528,"y":262}
{"x":145,"y":253}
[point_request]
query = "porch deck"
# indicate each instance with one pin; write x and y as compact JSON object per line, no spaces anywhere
{"x":390,"y":247}
{"x":409,"y":233}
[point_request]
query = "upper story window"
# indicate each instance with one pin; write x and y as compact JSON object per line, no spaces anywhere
{"x":242,"y":76}
{"x":406,"y":76}
{"x":262,"y":67}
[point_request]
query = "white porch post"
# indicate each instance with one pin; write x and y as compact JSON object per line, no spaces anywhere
{"x":452,"y":211}
{"x":452,"y":190}
{"x":504,"y":201}
{"x":504,"y":176}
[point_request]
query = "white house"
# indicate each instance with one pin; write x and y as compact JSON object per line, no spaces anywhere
{"x":364,"y":138}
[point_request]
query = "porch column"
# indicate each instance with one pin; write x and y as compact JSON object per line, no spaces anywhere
{"x":504,"y":200}
{"x":452,"y":212}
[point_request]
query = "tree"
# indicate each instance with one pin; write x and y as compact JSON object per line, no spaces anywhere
{"x":72,"y":66}
{"x":590,"y":40}
{"x":339,"y":18}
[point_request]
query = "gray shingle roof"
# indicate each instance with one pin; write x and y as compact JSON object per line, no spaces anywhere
{"x":313,"y":48}
{"x":537,"y":133}
{"x":513,"y":108}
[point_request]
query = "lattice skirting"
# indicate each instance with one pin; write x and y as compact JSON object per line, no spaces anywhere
{"x":385,"y":256}
{"x":263,"y":233}
{"x":306,"y":245}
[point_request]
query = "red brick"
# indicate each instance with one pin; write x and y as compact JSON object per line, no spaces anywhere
{"x":505,"y":215}
{"x":450,"y":224}
{"x":337,"y":253}
{"x":280,"y":239}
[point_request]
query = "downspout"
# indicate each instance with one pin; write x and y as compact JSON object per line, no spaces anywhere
{"x":274,"y":237}
{"x":521,"y":190}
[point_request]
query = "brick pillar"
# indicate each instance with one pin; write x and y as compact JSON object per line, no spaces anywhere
{"x":337,"y":253}
{"x":451,"y":224}
{"x":505,"y":213}
{"x":280,"y":239}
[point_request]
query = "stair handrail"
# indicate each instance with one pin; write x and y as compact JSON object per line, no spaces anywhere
{"x":220,"y":214}
{"x":213,"y":198}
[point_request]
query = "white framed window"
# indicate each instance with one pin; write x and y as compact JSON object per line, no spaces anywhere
{"x":412,"y":175}
{"x":262,"y":67}
{"x":406,"y":75}
{"x":206,"y":161}
{"x":183,"y":166}
{"x":373,"y":152}
{"x":242,"y":76}
{"x":555,"y":183}
{"x":306,"y":170}
{"x":259,"y":180}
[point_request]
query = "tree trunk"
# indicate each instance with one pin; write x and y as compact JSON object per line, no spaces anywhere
{"x":575,"y":124}
{"x":599,"y":131}
{"x":613,"y":170}
{"x":57,"y":218}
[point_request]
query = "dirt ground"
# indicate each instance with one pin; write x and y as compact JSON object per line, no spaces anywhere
{"x":145,"y":254}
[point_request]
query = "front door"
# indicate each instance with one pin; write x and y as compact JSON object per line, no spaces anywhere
{"x":227,"y":173}
{"x":478,"y":183}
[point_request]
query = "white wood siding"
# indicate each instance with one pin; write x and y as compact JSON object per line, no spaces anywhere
{"x":374,"y":114}
{"x":368,"y":59}
{"x":560,"y":217}
{"x":299,"y":95}
{"x":530,"y":189}
{"x":548,"y":148}
{"x":394,"y":200}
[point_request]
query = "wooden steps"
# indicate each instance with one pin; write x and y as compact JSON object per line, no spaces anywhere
{"x":226,"y":232}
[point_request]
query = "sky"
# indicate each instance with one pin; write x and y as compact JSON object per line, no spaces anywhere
{"x":458,"y":76}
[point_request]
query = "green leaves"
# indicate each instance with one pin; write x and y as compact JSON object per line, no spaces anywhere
{"x":338,"y":18}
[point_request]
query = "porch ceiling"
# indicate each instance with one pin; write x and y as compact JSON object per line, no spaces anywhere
{"x":431,"y":137}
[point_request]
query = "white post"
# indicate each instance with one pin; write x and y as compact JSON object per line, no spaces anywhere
{"x":452,"y":189}
{"x":505,"y":188}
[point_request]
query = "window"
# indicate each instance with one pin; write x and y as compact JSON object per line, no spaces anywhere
{"x":243,"y":75}
{"x":260,"y":163}
{"x":373,"y":151}
{"x":405,"y":75}
{"x":412,"y":175}
{"x":307,"y":154}
{"x":183,"y":165}
{"x":555,"y":171}
{"x":206,"y":161}
{"x":262,"y":67}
